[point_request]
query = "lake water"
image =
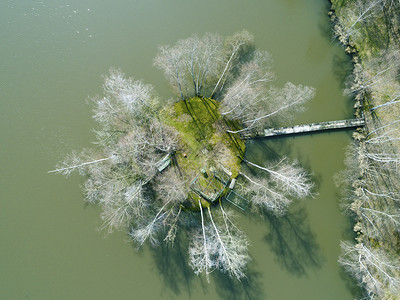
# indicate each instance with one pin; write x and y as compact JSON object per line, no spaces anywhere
{"x":52,"y":57}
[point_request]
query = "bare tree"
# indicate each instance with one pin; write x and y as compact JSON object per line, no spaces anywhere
{"x":357,"y":17}
{"x":201,"y":66}
{"x":149,"y":230}
{"x":75,"y":162}
{"x":289,"y":177}
{"x":231,"y":248}
{"x":233,"y":45}
{"x":202,"y":55}
{"x":262,"y":194}
{"x":372,"y":27}
{"x":173,"y":225}
{"x":191,"y":64}
{"x":382,"y":152}
{"x":365,"y":10}
{"x":277,"y":103}
{"x":375,"y":204}
{"x":371,"y":267}
{"x":200,"y":248}
{"x":222,"y":247}
{"x":125,"y":102}
{"x":170,"y":186}
{"x":364,"y":81}
{"x":122,"y":206}
{"x":377,"y":222}
{"x":248,"y":91}
{"x":171,"y":61}
{"x":393,"y":100}
{"x":387,"y":133}
{"x":235,"y":74}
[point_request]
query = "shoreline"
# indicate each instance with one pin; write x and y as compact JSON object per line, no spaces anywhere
{"x":370,"y":179}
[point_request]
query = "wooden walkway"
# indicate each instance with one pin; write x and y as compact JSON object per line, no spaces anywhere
{"x":313,"y":127}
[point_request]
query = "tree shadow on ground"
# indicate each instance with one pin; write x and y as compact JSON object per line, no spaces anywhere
{"x":293,"y":243}
{"x":231,"y":288}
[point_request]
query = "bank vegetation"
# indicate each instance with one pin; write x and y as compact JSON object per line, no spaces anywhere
{"x":370,"y":32}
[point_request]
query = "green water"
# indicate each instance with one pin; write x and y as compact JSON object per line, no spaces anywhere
{"x":52,"y":56}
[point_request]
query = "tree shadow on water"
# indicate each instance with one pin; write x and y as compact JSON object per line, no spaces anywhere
{"x":230,"y":288}
{"x":356,"y":291}
{"x":342,"y":68}
{"x":293,"y":243}
{"x":172,"y":263}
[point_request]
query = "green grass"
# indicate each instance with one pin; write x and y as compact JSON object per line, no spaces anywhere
{"x":203,"y":138}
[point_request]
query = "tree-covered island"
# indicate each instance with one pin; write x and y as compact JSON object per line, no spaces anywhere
{"x":163,"y":166}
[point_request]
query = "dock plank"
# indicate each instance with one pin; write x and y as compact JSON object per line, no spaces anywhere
{"x":312,"y":127}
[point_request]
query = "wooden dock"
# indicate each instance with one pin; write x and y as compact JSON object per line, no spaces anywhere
{"x":308,"y":128}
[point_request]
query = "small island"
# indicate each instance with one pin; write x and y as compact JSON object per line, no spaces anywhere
{"x":166,"y":165}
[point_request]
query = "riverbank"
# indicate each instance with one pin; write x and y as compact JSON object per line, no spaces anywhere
{"x":369,"y":32}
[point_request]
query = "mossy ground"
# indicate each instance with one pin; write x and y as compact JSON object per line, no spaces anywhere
{"x":204,"y":142}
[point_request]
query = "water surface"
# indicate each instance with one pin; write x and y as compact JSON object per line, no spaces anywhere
{"x":52,"y":56}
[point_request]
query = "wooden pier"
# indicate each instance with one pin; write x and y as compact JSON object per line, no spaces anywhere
{"x":308,"y":128}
